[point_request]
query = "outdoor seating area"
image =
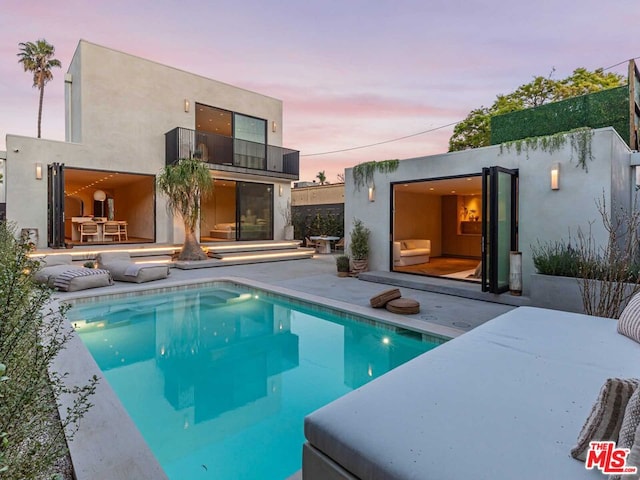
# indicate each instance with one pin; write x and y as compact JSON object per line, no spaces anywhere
{"x":508,"y":400}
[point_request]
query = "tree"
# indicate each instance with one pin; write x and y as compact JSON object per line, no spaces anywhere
{"x":322,"y":178}
{"x":340,"y":177}
{"x":38,"y":58}
{"x":185,"y":184}
{"x":475,"y":130}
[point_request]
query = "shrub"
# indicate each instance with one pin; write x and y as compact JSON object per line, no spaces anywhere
{"x":359,"y":243}
{"x":32,"y":333}
{"x":556,"y":258}
{"x":342,"y":263}
{"x":319,"y":224}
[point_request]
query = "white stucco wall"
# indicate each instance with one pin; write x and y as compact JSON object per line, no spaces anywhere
{"x":544,"y":214}
{"x":119,"y":109}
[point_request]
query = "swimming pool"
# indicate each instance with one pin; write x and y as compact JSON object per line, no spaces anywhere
{"x":219,"y":380}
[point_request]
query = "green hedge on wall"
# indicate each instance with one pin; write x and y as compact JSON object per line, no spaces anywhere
{"x":609,"y":108}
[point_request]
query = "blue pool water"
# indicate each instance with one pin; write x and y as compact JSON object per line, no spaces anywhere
{"x":219,"y":380}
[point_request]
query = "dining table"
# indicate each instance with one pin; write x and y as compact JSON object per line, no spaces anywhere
{"x":323,"y":242}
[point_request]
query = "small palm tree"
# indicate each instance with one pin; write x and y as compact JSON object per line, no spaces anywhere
{"x":37,"y":57}
{"x":321,"y":177}
{"x":185,"y":184}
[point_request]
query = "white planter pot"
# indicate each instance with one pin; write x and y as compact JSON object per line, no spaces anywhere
{"x":288,"y":232}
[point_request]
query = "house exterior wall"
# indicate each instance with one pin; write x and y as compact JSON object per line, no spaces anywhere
{"x":119,"y":108}
{"x":544,"y":214}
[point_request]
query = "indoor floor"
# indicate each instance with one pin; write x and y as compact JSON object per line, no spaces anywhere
{"x":450,"y":267}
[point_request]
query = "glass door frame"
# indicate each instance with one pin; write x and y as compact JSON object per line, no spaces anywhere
{"x":55,"y":210}
{"x":490,"y":225}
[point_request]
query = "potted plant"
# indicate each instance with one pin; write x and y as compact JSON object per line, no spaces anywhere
{"x":359,"y":246}
{"x":342,"y":265}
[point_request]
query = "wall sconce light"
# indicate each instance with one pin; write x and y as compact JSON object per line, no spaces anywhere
{"x":38,"y":171}
{"x":555,"y":176}
{"x":372,"y":194}
{"x":187,"y":104}
{"x":274,"y":126}
{"x":280,"y":190}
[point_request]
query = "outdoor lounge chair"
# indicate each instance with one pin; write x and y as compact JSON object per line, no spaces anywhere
{"x":124,"y":270}
{"x":58,"y":271}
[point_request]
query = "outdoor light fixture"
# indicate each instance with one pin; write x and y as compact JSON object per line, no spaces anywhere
{"x":186,"y":105}
{"x":372,"y":194}
{"x":555,"y":176}
{"x":274,"y":126}
{"x":38,"y":171}
{"x":280,"y":190}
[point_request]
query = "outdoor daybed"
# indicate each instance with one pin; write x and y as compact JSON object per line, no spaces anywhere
{"x":124,"y":270}
{"x":503,"y":401}
{"x":58,"y":271}
{"x":411,"y":252}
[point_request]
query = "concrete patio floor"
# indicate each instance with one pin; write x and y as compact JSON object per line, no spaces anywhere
{"x":317,"y":276}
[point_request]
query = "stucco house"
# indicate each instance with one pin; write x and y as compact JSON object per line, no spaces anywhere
{"x":460,"y":214}
{"x":128,"y":117}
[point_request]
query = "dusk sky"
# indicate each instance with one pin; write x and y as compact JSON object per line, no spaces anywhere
{"x":350,"y":72}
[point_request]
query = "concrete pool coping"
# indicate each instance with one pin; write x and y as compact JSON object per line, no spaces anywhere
{"x":108,"y":444}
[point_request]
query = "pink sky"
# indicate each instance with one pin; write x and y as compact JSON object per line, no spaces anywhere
{"x":350,"y":72}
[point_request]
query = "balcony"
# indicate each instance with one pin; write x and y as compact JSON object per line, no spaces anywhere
{"x":232,"y":154}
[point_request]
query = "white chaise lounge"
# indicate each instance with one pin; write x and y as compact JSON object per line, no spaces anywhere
{"x":58,"y":271}
{"x":504,"y":401}
{"x":124,"y":269}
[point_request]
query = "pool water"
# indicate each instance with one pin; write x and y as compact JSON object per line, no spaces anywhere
{"x":219,"y":380}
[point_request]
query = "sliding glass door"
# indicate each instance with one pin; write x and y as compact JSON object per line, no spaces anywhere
{"x":254,"y":211}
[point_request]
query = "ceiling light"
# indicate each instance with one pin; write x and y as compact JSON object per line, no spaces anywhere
{"x":431,"y":188}
{"x":453,"y":191}
{"x":469,"y":179}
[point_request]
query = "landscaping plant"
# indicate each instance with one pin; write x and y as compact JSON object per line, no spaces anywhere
{"x":185,"y":184}
{"x":609,"y":273}
{"x":32,"y":333}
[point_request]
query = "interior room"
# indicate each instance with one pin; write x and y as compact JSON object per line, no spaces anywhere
{"x":105,"y":198}
{"x":218,"y":215}
{"x":437,"y":227}
{"x":237,"y":211}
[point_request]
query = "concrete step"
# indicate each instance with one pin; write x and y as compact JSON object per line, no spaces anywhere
{"x":443,"y":285}
{"x":264,"y":245}
{"x":239,"y":258}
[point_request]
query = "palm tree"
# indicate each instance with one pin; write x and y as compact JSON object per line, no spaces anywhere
{"x":321,"y":177}
{"x":38,"y":58}
{"x":185,"y":184}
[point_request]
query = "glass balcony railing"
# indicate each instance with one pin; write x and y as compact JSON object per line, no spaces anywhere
{"x":231,"y":153}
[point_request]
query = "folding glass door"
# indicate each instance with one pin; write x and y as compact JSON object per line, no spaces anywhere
{"x":499,"y":226}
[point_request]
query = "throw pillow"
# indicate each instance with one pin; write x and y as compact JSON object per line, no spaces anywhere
{"x":633,"y":459}
{"x":606,"y":415}
{"x":629,"y":323}
{"x":409,"y":244}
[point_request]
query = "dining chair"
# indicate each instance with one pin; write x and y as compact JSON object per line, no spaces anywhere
{"x":123,"y":229}
{"x":89,"y":229}
{"x":111,"y":229}
{"x":310,"y":243}
{"x":339,"y":244}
